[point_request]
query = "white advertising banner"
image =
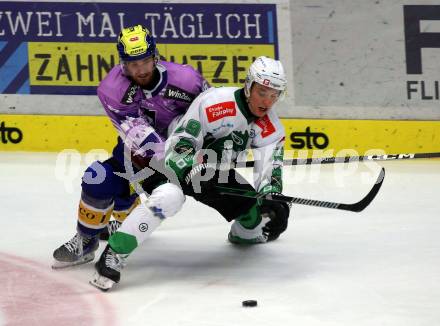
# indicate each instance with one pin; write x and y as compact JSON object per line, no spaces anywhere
{"x":366,"y":59}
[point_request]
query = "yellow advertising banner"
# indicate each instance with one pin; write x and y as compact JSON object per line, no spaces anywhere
{"x":307,"y":138}
{"x":85,"y":64}
{"x":340,"y":138}
{"x":47,"y":133}
{"x":69,"y":64}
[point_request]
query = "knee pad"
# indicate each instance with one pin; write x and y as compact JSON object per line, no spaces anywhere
{"x":166,"y":200}
{"x":278,"y":213}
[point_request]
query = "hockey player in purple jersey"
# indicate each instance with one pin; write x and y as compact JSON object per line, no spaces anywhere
{"x":143,"y":98}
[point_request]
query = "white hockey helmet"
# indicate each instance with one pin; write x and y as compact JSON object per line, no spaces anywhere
{"x":268,"y":72}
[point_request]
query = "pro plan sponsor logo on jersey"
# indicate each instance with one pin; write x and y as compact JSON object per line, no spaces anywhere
{"x":266,"y":125}
{"x":179,"y":94}
{"x":220,"y":110}
{"x":129,"y":94}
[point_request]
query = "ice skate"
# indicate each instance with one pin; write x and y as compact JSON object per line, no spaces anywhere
{"x":235,"y":239}
{"x":242,"y":236}
{"x":111,"y":228}
{"x":108,"y":269}
{"x":76,"y":251}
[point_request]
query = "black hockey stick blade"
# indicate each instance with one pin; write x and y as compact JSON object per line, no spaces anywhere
{"x":355,"y":207}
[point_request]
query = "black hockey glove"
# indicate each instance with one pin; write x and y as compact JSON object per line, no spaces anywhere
{"x":278,"y":212}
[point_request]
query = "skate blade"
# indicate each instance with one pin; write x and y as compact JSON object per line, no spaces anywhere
{"x":101,"y":282}
{"x":64,"y":264}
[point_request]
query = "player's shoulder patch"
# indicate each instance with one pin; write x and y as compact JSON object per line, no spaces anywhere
{"x":130,"y":93}
{"x":266,"y":126}
{"x":116,"y":86}
{"x":220,"y":110}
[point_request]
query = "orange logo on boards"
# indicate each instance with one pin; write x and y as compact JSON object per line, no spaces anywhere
{"x":266,"y":125}
{"x":220,"y":110}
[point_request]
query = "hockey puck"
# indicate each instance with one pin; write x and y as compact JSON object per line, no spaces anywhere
{"x":249,"y":303}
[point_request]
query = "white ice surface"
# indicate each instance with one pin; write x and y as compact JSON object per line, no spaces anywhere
{"x":377,"y":267}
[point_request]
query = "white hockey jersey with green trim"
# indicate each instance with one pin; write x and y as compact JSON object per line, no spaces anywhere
{"x":219,"y":119}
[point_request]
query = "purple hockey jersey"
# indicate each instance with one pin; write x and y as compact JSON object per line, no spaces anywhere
{"x":141,"y":115}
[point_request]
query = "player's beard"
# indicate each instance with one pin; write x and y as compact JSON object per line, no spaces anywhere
{"x":148,"y":81}
{"x":144,"y":80}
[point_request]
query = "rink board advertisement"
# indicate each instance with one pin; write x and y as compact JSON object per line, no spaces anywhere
{"x":40,"y":133}
{"x":312,"y":138}
{"x":366,"y":59}
{"x":68,"y":47}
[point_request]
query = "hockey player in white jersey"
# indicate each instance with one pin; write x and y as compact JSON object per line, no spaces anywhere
{"x":220,"y":124}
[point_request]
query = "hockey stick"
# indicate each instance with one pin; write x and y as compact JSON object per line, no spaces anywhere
{"x":348,"y":159}
{"x":355,"y":207}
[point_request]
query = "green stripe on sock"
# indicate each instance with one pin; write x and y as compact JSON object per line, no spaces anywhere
{"x":122,"y":243}
{"x":251,"y":219}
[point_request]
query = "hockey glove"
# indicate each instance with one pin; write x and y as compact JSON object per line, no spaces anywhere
{"x":180,"y":159}
{"x":142,"y":141}
{"x":267,"y":191}
{"x":278,"y":212}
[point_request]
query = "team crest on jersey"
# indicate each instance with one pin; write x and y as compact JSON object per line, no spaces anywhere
{"x":220,"y":110}
{"x":178,"y":94}
{"x":266,"y":125}
{"x":129,"y":94}
{"x":236,"y":138}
